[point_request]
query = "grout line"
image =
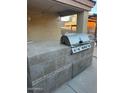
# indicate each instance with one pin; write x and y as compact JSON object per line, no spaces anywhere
{"x":72,"y":88}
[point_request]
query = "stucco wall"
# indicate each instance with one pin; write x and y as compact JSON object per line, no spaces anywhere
{"x":43,"y":26}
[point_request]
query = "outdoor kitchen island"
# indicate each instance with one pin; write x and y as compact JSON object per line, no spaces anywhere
{"x":51,"y":64}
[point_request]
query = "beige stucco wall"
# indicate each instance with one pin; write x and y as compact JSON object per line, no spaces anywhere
{"x":43,"y":27}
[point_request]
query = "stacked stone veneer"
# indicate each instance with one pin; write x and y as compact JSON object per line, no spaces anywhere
{"x":50,"y":70}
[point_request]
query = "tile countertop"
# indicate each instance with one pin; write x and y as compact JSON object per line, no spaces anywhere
{"x":36,"y":48}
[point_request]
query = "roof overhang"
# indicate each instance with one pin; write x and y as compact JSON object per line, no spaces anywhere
{"x":61,"y":7}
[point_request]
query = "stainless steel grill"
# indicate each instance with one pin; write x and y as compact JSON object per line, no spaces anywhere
{"x":77,"y":41}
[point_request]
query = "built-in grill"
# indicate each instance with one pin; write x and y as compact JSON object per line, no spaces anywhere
{"x":77,"y":41}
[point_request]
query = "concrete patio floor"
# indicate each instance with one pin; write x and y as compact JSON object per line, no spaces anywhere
{"x":85,"y":82}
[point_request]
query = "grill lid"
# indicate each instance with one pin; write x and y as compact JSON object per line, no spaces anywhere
{"x":73,"y":39}
{"x":77,"y":41}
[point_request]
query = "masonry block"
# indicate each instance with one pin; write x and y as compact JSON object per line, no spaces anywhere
{"x":75,"y":68}
{"x":41,"y":58}
{"x":72,"y":58}
{"x":63,"y":75}
{"x":79,"y":66}
{"x":51,"y":82}
{"x":40,"y":86}
{"x":61,"y":52}
{"x":36,"y":71}
{"x":60,"y":62}
{"x":49,"y":67}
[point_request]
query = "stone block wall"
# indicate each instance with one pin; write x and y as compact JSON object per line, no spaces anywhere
{"x":50,"y":70}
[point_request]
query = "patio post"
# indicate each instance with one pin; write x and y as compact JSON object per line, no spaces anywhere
{"x":82,"y":19}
